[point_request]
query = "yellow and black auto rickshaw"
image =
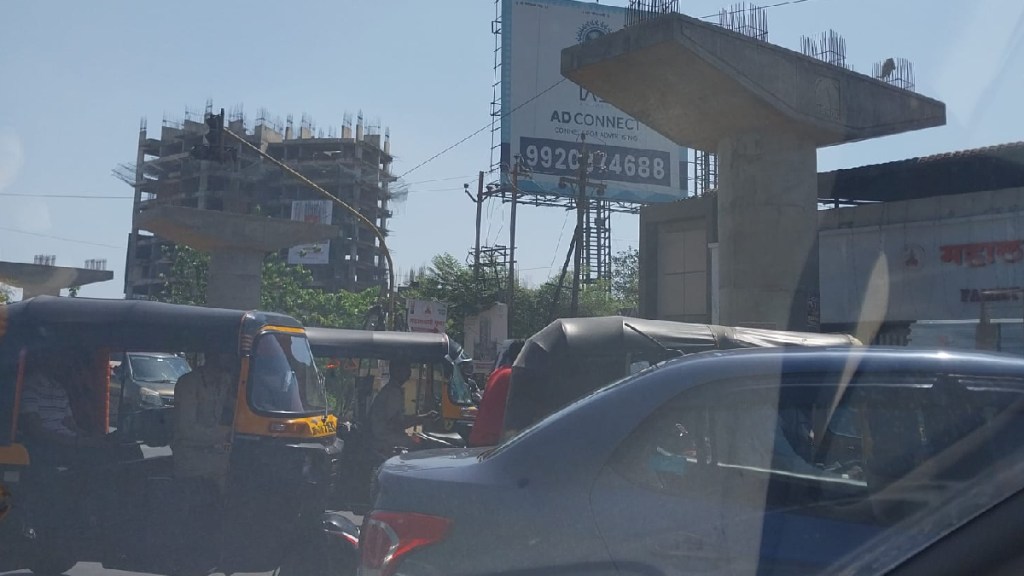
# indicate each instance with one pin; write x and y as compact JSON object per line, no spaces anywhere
{"x":122,"y":502}
{"x":357,"y":362}
{"x":439,"y":370}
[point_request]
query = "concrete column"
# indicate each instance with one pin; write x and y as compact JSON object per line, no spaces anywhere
{"x":235,"y":278}
{"x":767,"y":230}
{"x":33,"y":291}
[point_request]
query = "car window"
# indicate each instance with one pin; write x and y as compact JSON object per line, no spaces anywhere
{"x":872,"y":455}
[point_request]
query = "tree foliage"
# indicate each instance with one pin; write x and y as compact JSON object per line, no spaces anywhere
{"x":285,"y":289}
{"x":450,"y":281}
{"x":626,"y":277}
{"x":5,"y":294}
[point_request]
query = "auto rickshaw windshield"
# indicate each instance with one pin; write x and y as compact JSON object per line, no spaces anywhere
{"x":284,"y":378}
{"x":459,"y":388}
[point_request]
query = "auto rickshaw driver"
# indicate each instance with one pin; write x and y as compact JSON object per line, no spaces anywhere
{"x":387,"y":418}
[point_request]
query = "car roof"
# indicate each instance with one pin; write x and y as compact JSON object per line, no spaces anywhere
{"x":873,"y":358}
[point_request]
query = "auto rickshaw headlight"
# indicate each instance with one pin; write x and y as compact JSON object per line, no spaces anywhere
{"x":150,"y":396}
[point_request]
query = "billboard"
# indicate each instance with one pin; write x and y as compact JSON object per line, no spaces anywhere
{"x":484,"y":334}
{"x":426,"y":316}
{"x":934,"y":270}
{"x":545,"y":115}
{"x":314,"y":212}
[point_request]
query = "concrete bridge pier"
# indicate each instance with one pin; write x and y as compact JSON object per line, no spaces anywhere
{"x":767,"y":229}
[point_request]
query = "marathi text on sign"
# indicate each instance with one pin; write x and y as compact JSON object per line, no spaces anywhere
{"x":983,"y":253}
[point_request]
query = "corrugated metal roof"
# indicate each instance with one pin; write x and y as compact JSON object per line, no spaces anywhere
{"x":959,"y":172}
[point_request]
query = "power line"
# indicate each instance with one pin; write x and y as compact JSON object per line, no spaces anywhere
{"x":558,"y":244}
{"x":51,"y":237}
{"x":484,"y":127}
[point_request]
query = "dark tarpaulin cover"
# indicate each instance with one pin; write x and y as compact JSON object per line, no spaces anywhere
{"x":572,"y":357}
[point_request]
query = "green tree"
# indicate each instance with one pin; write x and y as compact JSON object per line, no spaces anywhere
{"x":626,"y":278}
{"x":186,"y":282}
{"x":450,"y":281}
{"x":285,"y":289}
{"x":5,"y":294}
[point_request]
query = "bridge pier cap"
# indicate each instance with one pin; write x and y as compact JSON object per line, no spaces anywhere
{"x":764,"y":110}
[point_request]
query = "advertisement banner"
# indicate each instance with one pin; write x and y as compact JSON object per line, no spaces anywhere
{"x":545,"y":115}
{"x":484,"y":334}
{"x":937,"y":270}
{"x":314,"y":212}
{"x":426,"y":316}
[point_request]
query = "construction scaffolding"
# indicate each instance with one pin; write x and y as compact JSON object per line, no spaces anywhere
{"x":356,"y":167}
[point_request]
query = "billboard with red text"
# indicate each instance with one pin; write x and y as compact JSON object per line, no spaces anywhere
{"x":934,"y":270}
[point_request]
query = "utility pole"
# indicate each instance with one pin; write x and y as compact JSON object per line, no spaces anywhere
{"x":512,"y":239}
{"x":479,"y":215}
{"x":581,"y":184}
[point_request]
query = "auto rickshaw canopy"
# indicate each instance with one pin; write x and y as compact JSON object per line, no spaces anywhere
{"x":573,"y":357}
{"x":410,"y":346}
{"x":136,"y":325}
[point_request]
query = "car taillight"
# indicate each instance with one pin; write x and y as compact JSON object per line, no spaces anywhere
{"x":388,"y":536}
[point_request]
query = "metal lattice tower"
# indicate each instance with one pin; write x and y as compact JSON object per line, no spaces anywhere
{"x":597,"y":242}
{"x":705,"y":172}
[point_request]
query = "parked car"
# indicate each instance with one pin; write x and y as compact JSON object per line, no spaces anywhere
{"x":146,"y":379}
{"x":766,"y":461}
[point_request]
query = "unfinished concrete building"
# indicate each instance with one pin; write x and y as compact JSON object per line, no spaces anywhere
{"x":354,"y":165}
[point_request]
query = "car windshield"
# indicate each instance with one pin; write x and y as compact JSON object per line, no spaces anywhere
{"x":597,"y":183}
{"x":162,"y":369}
{"x":284,"y":377}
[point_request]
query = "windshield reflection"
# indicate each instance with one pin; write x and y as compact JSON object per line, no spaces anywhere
{"x":284,"y":377}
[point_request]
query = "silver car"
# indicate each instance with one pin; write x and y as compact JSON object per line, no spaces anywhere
{"x":145,"y":380}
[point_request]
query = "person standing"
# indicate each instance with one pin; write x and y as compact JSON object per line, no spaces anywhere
{"x":490,"y":418}
{"x":203,"y":416}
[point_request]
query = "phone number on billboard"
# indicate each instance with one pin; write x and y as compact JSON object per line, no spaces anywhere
{"x":613,"y":163}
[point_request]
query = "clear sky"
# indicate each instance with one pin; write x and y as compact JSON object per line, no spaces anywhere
{"x":76,"y":77}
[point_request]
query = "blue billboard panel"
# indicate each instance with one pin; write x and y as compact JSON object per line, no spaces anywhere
{"x":546,"y":118}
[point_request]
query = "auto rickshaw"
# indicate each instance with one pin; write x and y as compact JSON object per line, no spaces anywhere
{"x":128,"y":509}
{"x":355,"y":363}
{"x":573,"y":357}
